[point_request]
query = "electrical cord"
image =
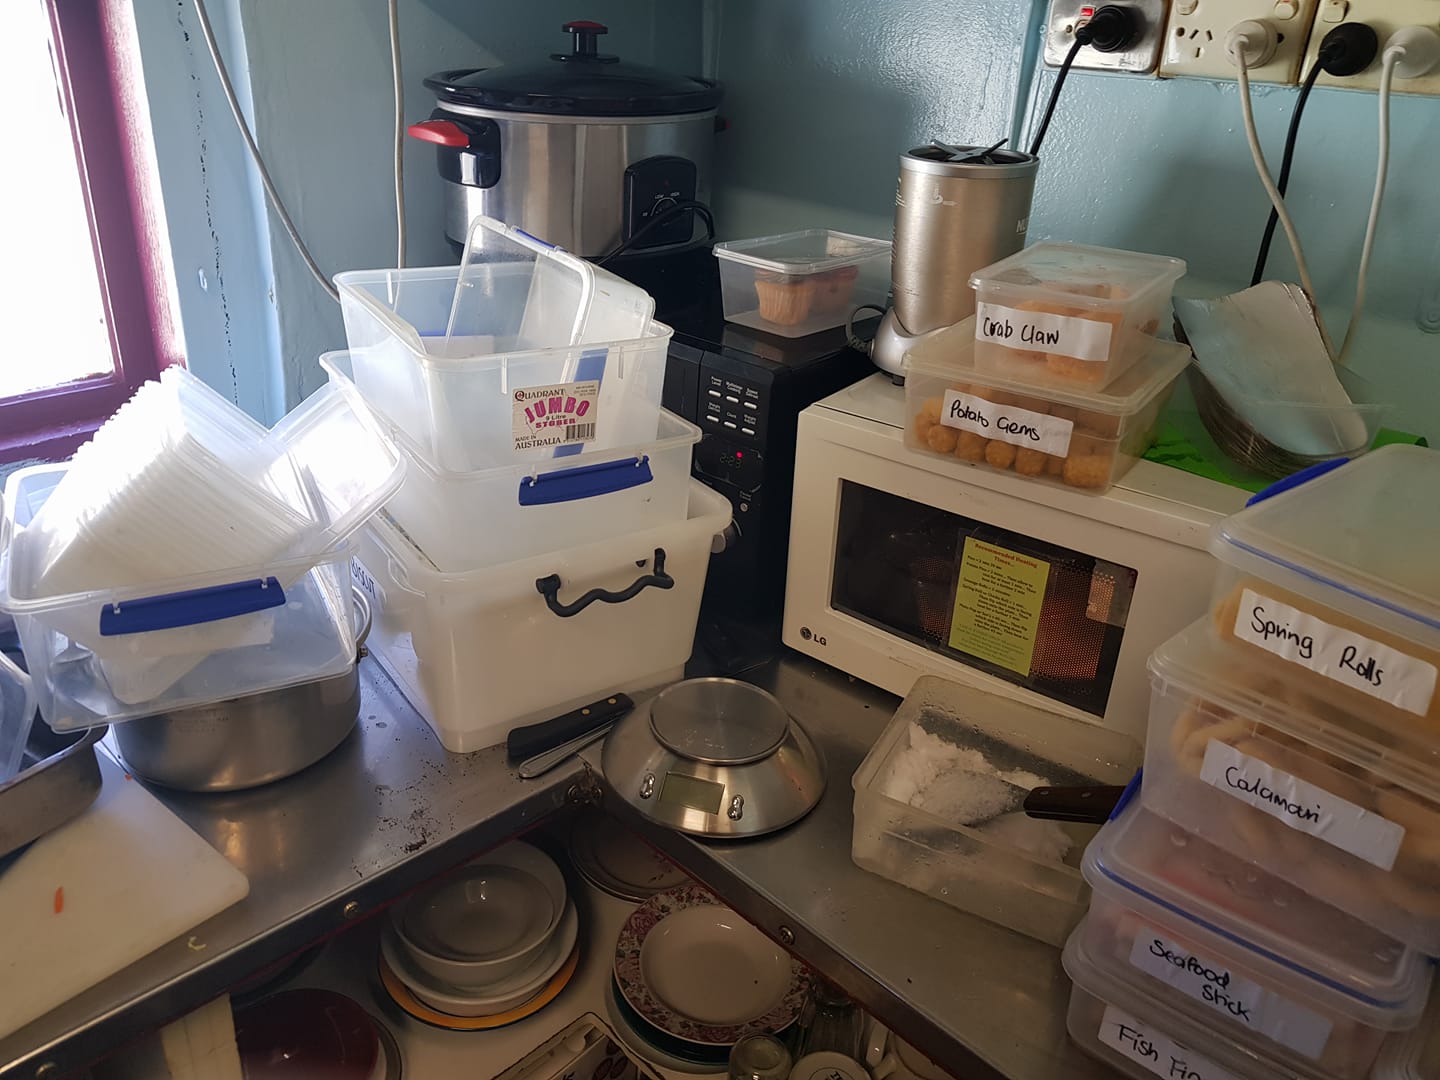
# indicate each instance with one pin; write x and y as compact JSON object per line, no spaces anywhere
{"x":208,"y":32}
{"x":1082,"y":38}
{"x":1252,"y":136}
{"x":398,"y":82}
{"x":1288,"y":159}
{"x":665,"y":216}
{"x":1392,"y":57}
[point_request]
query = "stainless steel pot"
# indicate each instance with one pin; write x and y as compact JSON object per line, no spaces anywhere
{"x":582,"y":150}
{"x":248,"y":741}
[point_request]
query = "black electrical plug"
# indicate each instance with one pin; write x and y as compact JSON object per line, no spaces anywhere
{"x":1112,"y":28}
{"x":1348,"y":49}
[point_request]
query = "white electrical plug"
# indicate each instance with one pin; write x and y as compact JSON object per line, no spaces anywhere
{"x":1420,"y":51}
{"x":1252,"y":43}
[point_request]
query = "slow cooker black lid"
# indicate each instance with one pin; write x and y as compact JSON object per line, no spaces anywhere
{"x":582,"y":82}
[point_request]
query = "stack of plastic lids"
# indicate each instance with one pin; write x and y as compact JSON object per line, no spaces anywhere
{"x":523,"y":387}
{"x":174,"y":535}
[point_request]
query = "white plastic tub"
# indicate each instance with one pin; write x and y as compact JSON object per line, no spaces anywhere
{"x":802,"y":282}
{"x":1070,"y":315}
{"x":1279,"y":778}
{"x":444,"y":352}
{"x":465,"y":520}
{"x":480,"y":652}
{"x":947,"y":748}
{"x":1117,"y":1023}
{"x":1325,"y":1003}
{"x":1077,"y":438}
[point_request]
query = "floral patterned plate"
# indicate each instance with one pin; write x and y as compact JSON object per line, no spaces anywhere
{"x":693,"y":968}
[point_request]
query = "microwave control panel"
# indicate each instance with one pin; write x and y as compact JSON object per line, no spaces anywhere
{"x":734,"y":405}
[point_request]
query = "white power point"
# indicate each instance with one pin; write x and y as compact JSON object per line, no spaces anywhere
{"x":1140,"y":56}
{"x":1195,"y":38}
{"x":1385,"y":17}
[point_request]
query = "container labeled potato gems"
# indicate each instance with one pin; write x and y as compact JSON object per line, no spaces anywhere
{"x":1076,"y":438}
{"x":1068,"y":315}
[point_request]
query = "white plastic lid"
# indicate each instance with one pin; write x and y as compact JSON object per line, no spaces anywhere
{"x":1343,"y":965}
{"x":810,"y":251}
{"x":1077,"y":275}
{"x":1359,"y":539}
{"x":950,"y":354}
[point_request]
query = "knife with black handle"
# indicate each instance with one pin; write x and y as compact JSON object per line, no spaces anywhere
{"x":535,"y":739}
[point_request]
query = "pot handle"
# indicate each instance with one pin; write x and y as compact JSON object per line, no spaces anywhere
{"x":549,"y":588}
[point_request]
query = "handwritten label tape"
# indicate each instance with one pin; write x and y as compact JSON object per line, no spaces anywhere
{"x":1043,"y":331}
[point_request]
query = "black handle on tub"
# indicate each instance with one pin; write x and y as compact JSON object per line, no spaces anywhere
{"x":549,"y":587}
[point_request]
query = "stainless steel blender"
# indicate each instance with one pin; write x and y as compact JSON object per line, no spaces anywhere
{"x":957,"y":209}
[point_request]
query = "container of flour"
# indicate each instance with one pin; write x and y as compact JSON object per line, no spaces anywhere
{"x":934,"y":798}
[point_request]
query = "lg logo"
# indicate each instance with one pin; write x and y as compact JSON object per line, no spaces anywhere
{"x":806,"y":635}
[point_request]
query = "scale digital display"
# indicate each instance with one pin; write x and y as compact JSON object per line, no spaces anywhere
{"x":692,"y":793}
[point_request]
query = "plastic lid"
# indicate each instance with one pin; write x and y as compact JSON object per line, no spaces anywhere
{"x":1076,"y":275}
{"x":1356,"y":538}
{"x":1414,"y":1055}
{"x":1183,"y":883}
{"x":1194,"y":663}
{"x":810,"y":251}
{"x":950,"y":354}
{"x":580,"y":82}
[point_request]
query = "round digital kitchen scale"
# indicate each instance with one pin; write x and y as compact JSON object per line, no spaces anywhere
{"x":715,"y":757}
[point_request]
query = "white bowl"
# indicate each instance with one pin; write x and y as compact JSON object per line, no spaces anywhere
{"x":485,"y":922}
{"x":503,"y":996}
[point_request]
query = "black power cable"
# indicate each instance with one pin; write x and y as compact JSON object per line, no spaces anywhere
{"x":683,"y":206}
{"x":1346,"y":50}
{"x":1111,"y":29}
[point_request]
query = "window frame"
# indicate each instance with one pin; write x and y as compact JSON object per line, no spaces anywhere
{"x":95,"y":54}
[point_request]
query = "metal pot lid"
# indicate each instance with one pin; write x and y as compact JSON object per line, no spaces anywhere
{"x":718,"y":721}
{"x":582,"y":82}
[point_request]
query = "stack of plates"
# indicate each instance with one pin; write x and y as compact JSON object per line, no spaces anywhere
{"x":489,"y":945}
{"x":692,"y":978}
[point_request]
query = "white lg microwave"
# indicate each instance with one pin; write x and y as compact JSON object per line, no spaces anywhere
{"x":904,"y":564}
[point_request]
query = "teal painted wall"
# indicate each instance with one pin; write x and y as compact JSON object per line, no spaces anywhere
{"x":824,"y":95}
{"x":315,"y":77}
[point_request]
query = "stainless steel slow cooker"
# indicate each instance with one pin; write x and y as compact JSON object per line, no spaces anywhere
{"x":582,"y":150}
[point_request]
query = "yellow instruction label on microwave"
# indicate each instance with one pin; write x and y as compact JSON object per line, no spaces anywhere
{"x":997,"y":604}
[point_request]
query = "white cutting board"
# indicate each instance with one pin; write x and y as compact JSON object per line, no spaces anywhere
{"x":134,"y":877}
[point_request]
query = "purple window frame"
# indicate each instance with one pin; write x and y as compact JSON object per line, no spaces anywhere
{"x":97,"y":64}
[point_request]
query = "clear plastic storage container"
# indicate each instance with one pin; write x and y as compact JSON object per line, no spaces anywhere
{"x":802,"y":282}
{"x":465,"y":520}
{"x":933,"y":804}
{"x":1414,"y":1055}
{"x":1325,"y":1001}
{"x":479,"y":652}
{"x":461,"y":357}
{"x":1116,"y":1022}
{"x":17,"y":715}
{"x":1334,"y":584}
{"x":1083,"y":439}
{"x":1280,"y":778}
{"x":1070,"y":315}
{"x":131,"y":633}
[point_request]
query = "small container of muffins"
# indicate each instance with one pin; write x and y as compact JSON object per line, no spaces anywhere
{"x":1067,"y":315}
{"x":1294,"y":782}
{"x":1074,"y":438}
{"x":802,"y":282}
